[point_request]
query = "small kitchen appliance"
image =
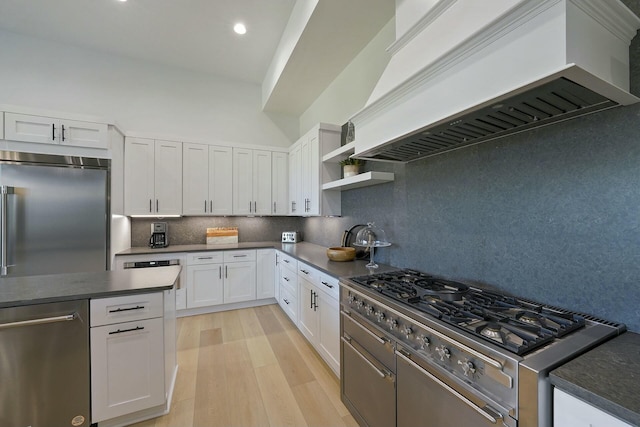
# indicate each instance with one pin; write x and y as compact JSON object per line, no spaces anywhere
{"x":159,"y":237}
{"x":291,"y":237}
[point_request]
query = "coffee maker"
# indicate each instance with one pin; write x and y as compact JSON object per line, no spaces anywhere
{"x":159,"y":237}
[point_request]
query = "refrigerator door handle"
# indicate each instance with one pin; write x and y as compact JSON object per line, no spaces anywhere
{"x":4,"y":193}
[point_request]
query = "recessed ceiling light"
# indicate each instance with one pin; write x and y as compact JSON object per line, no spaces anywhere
{"x":239,"y":28}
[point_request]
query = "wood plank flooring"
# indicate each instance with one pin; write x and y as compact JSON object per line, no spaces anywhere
{"x":250,"y":367}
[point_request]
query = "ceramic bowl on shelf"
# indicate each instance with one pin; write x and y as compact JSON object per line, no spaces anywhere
{"x":341,"y":253}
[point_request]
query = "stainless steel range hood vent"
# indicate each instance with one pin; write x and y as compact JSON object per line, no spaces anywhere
{"x":555,"y":101}
{"x":470,"y":71}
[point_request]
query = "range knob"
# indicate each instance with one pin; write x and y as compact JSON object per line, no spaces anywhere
{"x":467,"y":367}
{"x":359,"y":303}
{"x":393,"y":323}
{"x":424,"y":342}
{"x":380,"y":316}
{"x":369,"y":310}
{"x":407,"y":331}
{"x":351,"y":299}
{"x":443,"y":352}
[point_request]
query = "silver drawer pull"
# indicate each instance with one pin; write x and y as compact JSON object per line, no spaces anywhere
{"x":205,"y":257}
{"x":240,"y":256}
{"x":285,"y":300}
{"x":119,"y":310}
{"x":286,"y":278}
{"x":122,"y":331}
{"x":286,"y":260}
{"x":374,"y":336}
{"x":327,"y":285}
{"x":38,"y":321}
{"x":493,"y":417}
{"x":304,"y":271}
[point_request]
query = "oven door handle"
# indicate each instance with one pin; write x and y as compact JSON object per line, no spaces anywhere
{"x":487,"y":412}
{"x":374,"y":336}
{"x":379,"y":371}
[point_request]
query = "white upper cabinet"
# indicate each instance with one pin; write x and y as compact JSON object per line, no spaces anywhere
{"x":280,"y":183}
{"x":308,"y":173}
{"x":49,"y":130}
{"x":153,"y":177}
{"x":251,"y":182}
{"x":207,"y":174}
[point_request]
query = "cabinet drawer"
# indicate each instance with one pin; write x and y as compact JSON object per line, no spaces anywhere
{"x":309,"y":273}
{"x":289,"y":304}
{"x":288,"y":280}
{"x":329,"y":285}
{"x":288,"y":261}
{"x":238,"y":256}
{"x":213,"y":257}
{"x":106,"y":311}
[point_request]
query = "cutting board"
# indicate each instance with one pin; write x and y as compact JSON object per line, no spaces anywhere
{"x":222,"y":235}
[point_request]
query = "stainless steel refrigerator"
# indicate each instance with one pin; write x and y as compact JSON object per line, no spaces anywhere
{"x":54,"y":214}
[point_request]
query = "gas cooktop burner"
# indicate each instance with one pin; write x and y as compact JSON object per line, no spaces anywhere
{"x":512,"y":323}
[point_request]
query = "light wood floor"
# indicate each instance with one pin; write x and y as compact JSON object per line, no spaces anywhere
{"x":250,"y":367}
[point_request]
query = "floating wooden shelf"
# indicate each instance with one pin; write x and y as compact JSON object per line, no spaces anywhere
{"x":361,"y":180}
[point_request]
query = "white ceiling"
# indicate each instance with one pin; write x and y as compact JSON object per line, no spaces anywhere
{"x":197,"y":35}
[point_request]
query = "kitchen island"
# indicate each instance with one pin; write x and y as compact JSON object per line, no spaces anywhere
{"x":99,"y":347}
{"x":27,"y":290}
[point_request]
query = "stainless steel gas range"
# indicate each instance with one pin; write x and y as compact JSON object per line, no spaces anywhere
{"x":422,"y":350}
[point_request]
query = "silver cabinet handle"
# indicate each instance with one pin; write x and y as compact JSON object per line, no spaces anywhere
{"x":492,"y":417}
{"x":226,"y":272}
{"x":120,"y":310}
{"x":274,"y":207}
{"x":304,"y":271}
{"x":285,"y":300}
{"x":311,"y":298}
{"x":205,"y":257}
{"x":286,"y":260}
{"x":150,"y":205}
{"x":53,"y":131}
{"x":327,"y":285}
{"x":157,"y":206}
{"x":255,"y":207}
{"x":293,"y":206}
{"x":220,"y":272}
{"x":210,"y":206}
{"x":249,"y":207}
{"x":41,"y":321}
{"x":205,"y":206}
{"x":285,"y":278}
{"x":62,"y":133}
{"x":378,"y":371}
{"x":4,"y":212}
{"x":240,"y":256}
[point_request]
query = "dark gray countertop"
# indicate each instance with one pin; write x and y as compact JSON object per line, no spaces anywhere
{"x":303,"y":251}
{"x":29,"y":290}
{"x":607,"y":377}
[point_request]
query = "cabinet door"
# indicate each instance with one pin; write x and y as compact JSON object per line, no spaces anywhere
{"x":220,"y":180}
{"x":296,"y":205}
{"x":168,"y":178}
{"x":205,"y":285}
{"x":239,"y":281}
{"x":307,"y":310}
{"x":329,"y":331}
{"x":570,"y":411}
{"x":242,"y":181}
{"x":195,"y":179}
{"x":138,"y":176}
{"x":27,"y":128}
{"x":280,"y":183}
{"x":305,"y":176}
{"x":265,"y":276}
{"x":313,"y":176}
{"x":262,"y":182}
{"x":83,"y":134}
{"x":127,"y":368}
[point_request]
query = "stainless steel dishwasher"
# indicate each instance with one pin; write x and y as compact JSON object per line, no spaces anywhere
{"x":44,"y":365}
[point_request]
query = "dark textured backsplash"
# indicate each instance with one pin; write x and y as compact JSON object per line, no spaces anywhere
{"x":192,"y":230}
{"x":552,"y":214}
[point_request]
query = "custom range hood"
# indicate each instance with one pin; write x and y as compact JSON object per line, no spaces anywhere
{"x":468,"y":71}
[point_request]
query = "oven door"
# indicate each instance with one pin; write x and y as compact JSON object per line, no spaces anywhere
{"x":367,"y":379}
{"x":433,"y":400}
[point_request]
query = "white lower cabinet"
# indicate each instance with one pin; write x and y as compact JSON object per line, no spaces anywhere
{"x":319,"y":313}
{"x":220,"y":277}
{"x":288,"y":285}
{"x":569,"y":411}
{"x":127,"y":357}
{"x":265,"y":270}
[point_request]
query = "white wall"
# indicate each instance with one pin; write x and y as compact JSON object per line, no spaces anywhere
{"x":139,"y":96}
{"x":348,"y":93}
